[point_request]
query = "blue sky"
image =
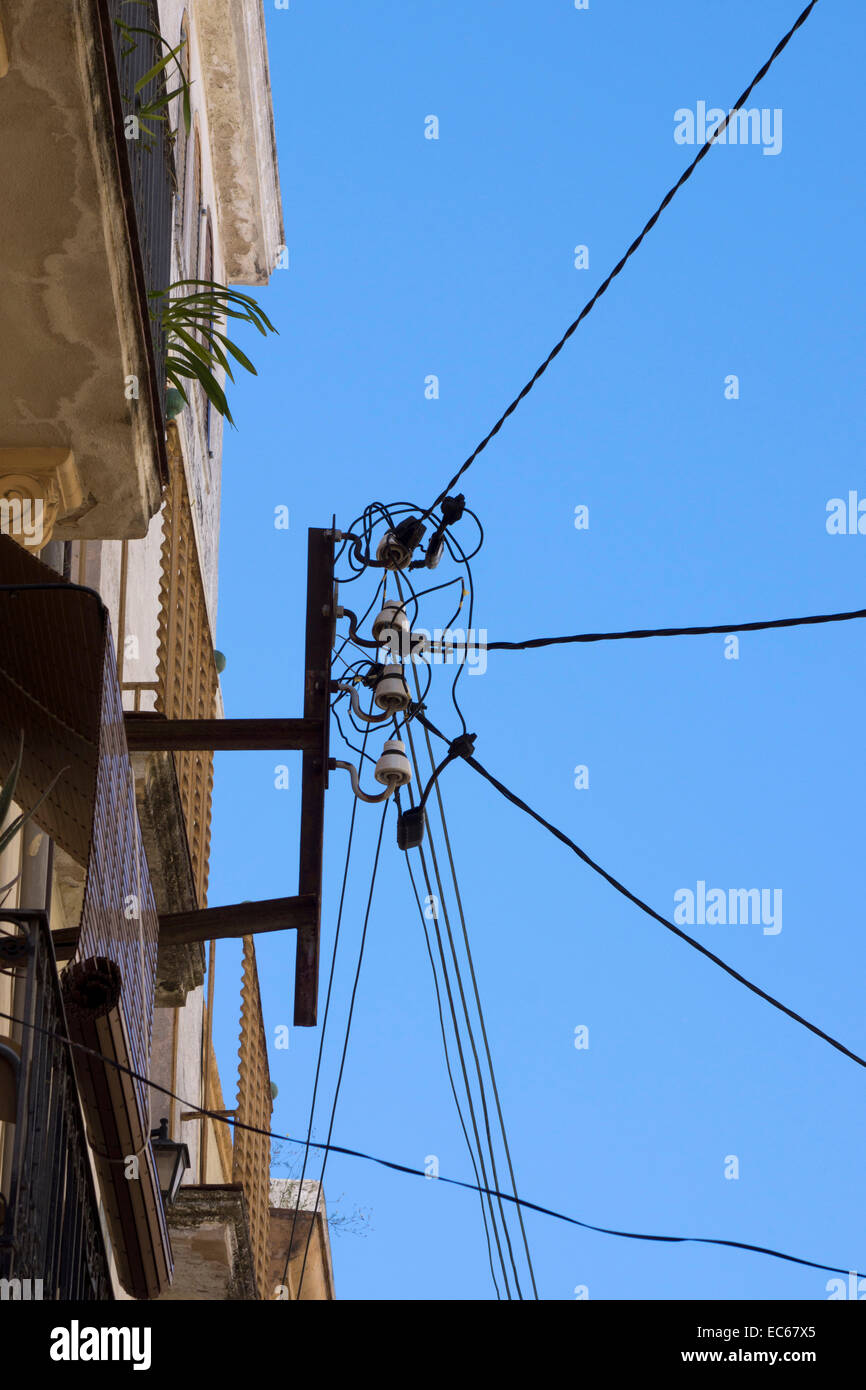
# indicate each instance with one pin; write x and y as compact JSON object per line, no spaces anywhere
{"x":455,"y":257}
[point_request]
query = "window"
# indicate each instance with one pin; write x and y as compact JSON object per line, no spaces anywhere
{"x":181,"y":140}
{"x":191,"y":217}
{"x":207,"y":274}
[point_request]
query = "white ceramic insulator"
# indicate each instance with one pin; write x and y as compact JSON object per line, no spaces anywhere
{"x":391,"y":623}
{"x":392,"y":692}
{"x":391,"y":553}
{"x":393,"y":769}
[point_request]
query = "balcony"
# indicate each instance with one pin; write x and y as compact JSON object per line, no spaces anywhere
{"x":50,"y":1232}
{"x":62,"y":691}
{"x":85,"y":224}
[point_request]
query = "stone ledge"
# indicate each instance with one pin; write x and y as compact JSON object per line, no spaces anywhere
{"x":180,"y":969}
{"x":210,"y":1238}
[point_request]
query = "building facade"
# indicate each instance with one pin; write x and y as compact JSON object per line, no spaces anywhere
{"x":110,"y":513}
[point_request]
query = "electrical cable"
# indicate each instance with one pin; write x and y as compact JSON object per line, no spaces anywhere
{"x":323,"y":1032}
{"x":477,"y":994}
{"x":345,"y":1050}
{"x":469,"y":1029}
{"x":452,"y":545}
{"x":379,"y":586}
{"x":534,"y":642}
{"x":669,"y":196}
{"x":471,"y":1104}
{"x":219,"y":1118}
{"x":651,"y":912}
{"x":448,"y":1063}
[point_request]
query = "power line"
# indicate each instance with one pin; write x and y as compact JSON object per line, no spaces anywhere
{"x":471,"y":1037}
{"x":345,"y":1048}
{"x":669,"y":196}
{"x":638,"y":902}
{"x":468,"y":949}
{"x":533,"y":642}
{"x":448,"y":1064}
{"x":324,"y":1029}
{"x":220,"y":1118}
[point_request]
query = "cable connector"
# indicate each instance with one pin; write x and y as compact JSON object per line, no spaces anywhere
{"x":410,"y":824}
{"x":463,"y":747}
{"x":396,"y":547}
{"x":452,"y":510}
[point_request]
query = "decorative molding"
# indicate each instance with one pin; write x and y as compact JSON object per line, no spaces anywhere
{"x":252,"y":1151}
{"x":38,"y":488}
{"x":186,"y":668}
{"x":233,"y":44}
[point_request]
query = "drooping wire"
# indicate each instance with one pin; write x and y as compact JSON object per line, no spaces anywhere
{"x":448,"y":1067}
{"x":219,"y":1117}
{"x":468,"y":1089}
{"x":534,"y":642}
{"x":668,"y":198}
{"x":380,"y":587}
{"x":323,"y":1032}
{"x":478,"y":1005}
{"x":442,"y":900}
{"x":345,"y":1049}
{"x":651,"y":912}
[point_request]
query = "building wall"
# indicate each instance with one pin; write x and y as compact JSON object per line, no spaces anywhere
{"x":238,"y":200}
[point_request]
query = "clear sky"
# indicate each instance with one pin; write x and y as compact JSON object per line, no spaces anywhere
{"x":411,"y":257}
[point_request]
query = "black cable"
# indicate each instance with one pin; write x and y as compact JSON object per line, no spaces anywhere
{"x":533,"y":642}
{"x":324,"y":1030}
{"x":380,"y":585}
{"x":449,"y":1068}
{"x":651,"y":912}
{"x":468,"y":1021}
{"x":478,"y":1005}
{"x":702,"y":152}
{"x":461,"y":1056}
{"x":353,"y":746}
{"x":345,"y":1050}
{"x":451,"y":542}
{"x":219,"y":1118}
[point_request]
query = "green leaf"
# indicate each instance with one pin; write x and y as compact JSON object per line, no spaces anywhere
{"x":237,"y":354}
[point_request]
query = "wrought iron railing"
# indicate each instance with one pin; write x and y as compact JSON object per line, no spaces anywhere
{"x":150,"y":154}
{"x":49,"y":1219}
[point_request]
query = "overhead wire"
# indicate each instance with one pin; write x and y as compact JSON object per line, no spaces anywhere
{"x":534,"y":642}
{"x":443,"y":903}
{"x":477,"y":994}
{"x":219,"y":1117}
{"x":645,"y":907}
{"x":339,"y":1083}
{"x":434,"y":902}
{"x":587,"y":308}
{"x":322,"y":1033}
{"x":448,"y":1066}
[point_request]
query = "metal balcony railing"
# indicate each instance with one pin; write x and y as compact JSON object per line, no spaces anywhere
{"x":49,"y":1218}
{"x":150,"y":157}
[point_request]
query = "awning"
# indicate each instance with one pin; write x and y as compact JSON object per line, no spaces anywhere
{"x":58,"y":685}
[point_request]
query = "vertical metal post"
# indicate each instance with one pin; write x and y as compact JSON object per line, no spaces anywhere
{"x":320,"y":617}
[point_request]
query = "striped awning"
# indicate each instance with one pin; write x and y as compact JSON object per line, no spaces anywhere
{"x":59,"y":688}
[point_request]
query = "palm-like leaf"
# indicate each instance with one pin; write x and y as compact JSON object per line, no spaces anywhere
{"x":195,"y":344}
{"x":149,"y":109}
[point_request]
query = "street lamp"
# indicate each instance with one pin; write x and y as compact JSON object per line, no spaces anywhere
{"x":172,"y":1161}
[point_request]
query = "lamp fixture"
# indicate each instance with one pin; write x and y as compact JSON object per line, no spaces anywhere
{"x":172,"y":1161}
